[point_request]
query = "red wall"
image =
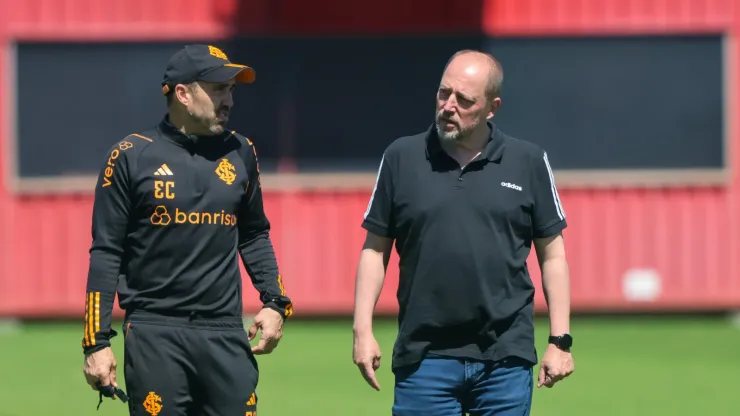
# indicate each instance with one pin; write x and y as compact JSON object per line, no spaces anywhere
{"x":687,"y":235}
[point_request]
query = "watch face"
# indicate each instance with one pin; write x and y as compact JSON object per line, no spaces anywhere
{"x":566,"y":341}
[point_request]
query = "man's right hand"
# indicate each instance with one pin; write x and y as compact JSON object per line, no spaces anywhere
{"x":366,"y":355}
{"x":100,"y":367}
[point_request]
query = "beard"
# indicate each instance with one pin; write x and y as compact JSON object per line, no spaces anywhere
{"x":458,"y":134}
{"x":216,"y":126}
{"x":215,"y":122}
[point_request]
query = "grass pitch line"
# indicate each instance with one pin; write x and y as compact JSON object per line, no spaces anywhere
{"x":735,"y":319}
{"x":9,"y":326}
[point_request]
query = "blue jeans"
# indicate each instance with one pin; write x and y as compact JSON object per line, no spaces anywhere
{"x":442,"y":386}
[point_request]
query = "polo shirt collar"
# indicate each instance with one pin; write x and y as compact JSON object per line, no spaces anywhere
{"x":493,"y":150}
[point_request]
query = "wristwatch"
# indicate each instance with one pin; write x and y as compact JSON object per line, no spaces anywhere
{"x":563,"y":342}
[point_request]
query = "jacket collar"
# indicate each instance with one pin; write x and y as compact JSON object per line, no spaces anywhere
{"x":169,"y":131}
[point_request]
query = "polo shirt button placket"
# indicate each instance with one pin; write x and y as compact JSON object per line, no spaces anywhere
{"x":458,"y":184}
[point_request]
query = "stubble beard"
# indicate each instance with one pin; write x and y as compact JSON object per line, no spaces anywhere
{"x":216,"y":127}
{"x":456,"y":136}
{"x":213,"y":124}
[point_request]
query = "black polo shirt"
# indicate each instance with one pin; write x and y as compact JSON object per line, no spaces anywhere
{"x":463,"y":238}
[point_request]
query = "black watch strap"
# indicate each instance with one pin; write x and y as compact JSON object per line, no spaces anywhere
{"x":563,"y":342}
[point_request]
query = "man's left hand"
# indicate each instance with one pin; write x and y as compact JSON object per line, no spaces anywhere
{"x":556,"y":365}
{"x":270,"y":322}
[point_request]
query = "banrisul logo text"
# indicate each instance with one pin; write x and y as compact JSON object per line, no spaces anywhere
{"x":167,"y":216}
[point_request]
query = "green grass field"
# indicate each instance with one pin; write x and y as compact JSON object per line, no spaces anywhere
{"x":624,"y":366}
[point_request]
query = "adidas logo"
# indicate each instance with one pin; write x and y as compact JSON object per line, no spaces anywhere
{"x":511,"y":186}
{"x":252,"y":400}
{"x":163,"y":171}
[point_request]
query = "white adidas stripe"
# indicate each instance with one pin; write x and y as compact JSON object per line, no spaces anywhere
{"x":375,"y":188}
{"x":554,"y":190}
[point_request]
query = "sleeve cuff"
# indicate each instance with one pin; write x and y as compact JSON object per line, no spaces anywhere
{"x":101,"y":341}
{"x":102,"y":344}
{"x":285,"y":312}
{"x":376,"y":229}
{"x":551,"y":230}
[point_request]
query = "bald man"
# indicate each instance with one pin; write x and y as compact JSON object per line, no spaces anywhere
{"x":464,"y":203}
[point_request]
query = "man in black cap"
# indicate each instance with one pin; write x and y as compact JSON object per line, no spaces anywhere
{"x":173,"y":205}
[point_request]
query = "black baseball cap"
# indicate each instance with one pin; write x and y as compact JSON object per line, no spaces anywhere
{"x":203,"y":63}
